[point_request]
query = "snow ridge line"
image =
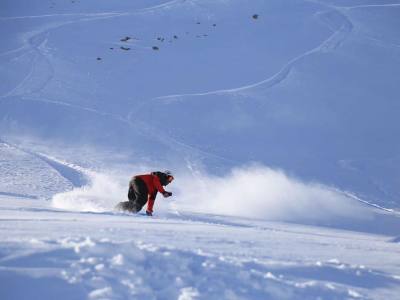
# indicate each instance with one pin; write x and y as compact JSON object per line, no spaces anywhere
{"x":330,"y":43}
{"x":80,"y":174}
{"x":63,"y":167}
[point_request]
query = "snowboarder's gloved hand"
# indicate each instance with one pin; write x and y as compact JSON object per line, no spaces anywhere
{"x":167,"y":194}
{"x":149,"y":213}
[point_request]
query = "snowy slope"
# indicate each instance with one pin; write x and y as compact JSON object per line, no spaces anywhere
{"x":186,"y":256}
{"x":279,"y":119}
{"x":309,"y":86}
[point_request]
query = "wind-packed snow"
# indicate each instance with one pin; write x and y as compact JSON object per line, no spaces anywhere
{"x":279,"y":120}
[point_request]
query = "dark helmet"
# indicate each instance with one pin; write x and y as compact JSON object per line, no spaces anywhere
{"x":165,"y":177}
{"x":168,"y":173}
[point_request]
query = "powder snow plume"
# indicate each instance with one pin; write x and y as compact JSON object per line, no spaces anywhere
{"x":102,"y":193}
{"x":260,"y":192}
{"x":254,"y":191}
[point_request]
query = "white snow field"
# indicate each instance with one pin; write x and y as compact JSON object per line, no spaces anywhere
{"x":280,"y":121}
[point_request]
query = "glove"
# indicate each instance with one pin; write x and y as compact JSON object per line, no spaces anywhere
{"x":167,"y":194}
{"x":149,"y":213}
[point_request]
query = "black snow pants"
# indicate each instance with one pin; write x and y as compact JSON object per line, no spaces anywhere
{"x":137,"y":195}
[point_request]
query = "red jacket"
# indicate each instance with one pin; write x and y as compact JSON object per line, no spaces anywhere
{"x":153,"y":186}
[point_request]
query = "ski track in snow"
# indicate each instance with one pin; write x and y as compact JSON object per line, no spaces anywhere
{"x":102,"y":14}
{"x":101,"y":259}
{"x":145,"y":129}
{"x":327,"y":45}
{"x":381,"y":43}
{"x":330,"y":43}
{"x":107,"y":14}
{"x":21,"y":88}
{"x":165,"y":5}
{"x":29,"y":41}
{"x":377,"y":41}
{"x":35,"y":41}
{"x":370,"y":6}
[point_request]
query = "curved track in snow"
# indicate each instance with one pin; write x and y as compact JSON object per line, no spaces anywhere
{"x":333,"y":41}
{"x":329,"y":44}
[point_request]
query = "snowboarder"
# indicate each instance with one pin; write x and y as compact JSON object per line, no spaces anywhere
{"x":143,"y":189}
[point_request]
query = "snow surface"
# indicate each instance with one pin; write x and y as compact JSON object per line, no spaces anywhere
{"x":279,"y":119}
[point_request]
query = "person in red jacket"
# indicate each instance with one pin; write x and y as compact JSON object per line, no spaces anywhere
{"x":143,"y":189}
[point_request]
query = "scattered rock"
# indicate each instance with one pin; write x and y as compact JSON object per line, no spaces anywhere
{"x":125,"y":48}
{"x":125,"y":39}
{"x":111,"y":48}
{"x":161,"y":39}
{"x":255,"y":17}
{"x":155,"y":48}
{"x":175,"y":37}
{"x":99,"y":58}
